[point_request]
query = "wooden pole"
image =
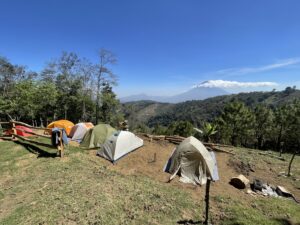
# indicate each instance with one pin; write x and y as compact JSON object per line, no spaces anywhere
{"x":207,"y":201}
{"x":61,"y":144}
{"x":14,"y":131}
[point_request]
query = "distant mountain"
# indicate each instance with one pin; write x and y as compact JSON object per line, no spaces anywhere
{"x":198,"y":93}
{"x":197,"y":112}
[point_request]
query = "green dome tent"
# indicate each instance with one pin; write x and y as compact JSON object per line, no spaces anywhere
{"x":97,"y":135}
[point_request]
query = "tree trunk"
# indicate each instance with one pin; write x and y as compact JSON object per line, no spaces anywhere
{"x":290,"y":164}
{"x":83,"y":116}
{"x":279,"y":139}
{"x":259,"y":142}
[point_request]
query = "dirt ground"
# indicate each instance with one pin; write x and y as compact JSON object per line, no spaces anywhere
{"x":142,"y":162}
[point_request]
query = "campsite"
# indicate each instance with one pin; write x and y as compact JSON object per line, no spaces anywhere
{"x":84,"y":189}
{"x":150,"y":112}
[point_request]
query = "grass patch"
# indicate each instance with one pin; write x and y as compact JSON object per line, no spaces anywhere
{"x":78,"y":189}
{"x":268,"y":211}
{"x":36,"y":188}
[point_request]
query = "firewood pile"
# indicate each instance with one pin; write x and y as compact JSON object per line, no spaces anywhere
{"x":176,"y":139}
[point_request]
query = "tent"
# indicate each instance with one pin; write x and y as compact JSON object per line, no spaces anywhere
{"x":78,"y":131}
{"x":20,"y":131}
{"x":191,"y":161}
{"x":66,"y":124}
{"x":119,"y":144}
{"x":97,"y":135}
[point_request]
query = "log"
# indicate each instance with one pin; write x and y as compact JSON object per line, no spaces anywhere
{"x":159,"y":137}
{"x":239,"y":182}
{"x":175,"y":137}
{"x":220,"y":145}
{"x":6,"y":138}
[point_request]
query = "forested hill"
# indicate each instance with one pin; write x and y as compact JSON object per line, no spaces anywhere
{"x":197,"y":112}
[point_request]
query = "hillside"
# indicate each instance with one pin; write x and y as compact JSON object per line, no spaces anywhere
{"x":202,"y":110}
{"x":197,"y":93}
{"x":38,"y":188}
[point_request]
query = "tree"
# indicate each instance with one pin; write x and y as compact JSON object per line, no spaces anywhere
{"x":263,"y":119}
{"x":181,"y":128}
{"x":103,"y":75}
{"x":24,"y":100}
{"x":159,"y":130}
{"x":110,"y":106}
{"x":9,"y":75}
{"x":235,"y":123}
{"x":87,"y":69}
{"x":282,"y":121}
{"x":45,"y":100}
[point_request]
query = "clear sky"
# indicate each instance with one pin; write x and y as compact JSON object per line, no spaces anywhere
{"x":163,"y":46}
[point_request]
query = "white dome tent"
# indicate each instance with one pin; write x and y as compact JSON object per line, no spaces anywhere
{"x":119,"y":144}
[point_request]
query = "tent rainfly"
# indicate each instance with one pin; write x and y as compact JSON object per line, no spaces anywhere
{"x":97,"y":135}
{"x":20,"y":131}
{"x":119,"y":144}
{"x":192,"y":161}
{"x":65,"y":124}
{"x":78,"y":131}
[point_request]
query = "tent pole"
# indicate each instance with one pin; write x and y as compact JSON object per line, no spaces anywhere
{"x":207,"y":200}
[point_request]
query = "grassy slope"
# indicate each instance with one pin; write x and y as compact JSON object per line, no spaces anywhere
{"x":80,"y":189}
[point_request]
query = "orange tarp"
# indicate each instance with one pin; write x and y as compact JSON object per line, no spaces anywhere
{"x":66,"y":124}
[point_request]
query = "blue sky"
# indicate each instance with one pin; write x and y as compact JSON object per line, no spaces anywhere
{"x":163,"y":46}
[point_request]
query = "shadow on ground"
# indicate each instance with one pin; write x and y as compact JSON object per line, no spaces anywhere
{"x":188,"y":222}
{"x":36,"y":150}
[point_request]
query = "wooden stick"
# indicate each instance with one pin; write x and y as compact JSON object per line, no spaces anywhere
{"x":6,"y":138}
{"x":220,"y":145}
{"x":61,"y":145}
{"x":4,"y":122}
{"x":207,"y":200}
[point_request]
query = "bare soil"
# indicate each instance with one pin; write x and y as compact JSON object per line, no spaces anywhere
{"x":141,"y":162}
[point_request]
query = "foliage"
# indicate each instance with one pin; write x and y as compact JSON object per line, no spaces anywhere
{"x":181,"y":128}
{"x":65,"y":88}
{"x":208,"y":130}
{"x":110,"y":107}
{"x":235,"y":123}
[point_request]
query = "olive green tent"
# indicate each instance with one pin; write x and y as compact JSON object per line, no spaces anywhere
{"x":191,"y":161}
{"x":97,"y":135}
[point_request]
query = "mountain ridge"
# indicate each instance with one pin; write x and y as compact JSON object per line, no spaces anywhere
{"x":197,"y":93}
{"x":152,"y":113}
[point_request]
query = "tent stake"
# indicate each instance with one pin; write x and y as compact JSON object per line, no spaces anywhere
{"x":207,"y":201}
